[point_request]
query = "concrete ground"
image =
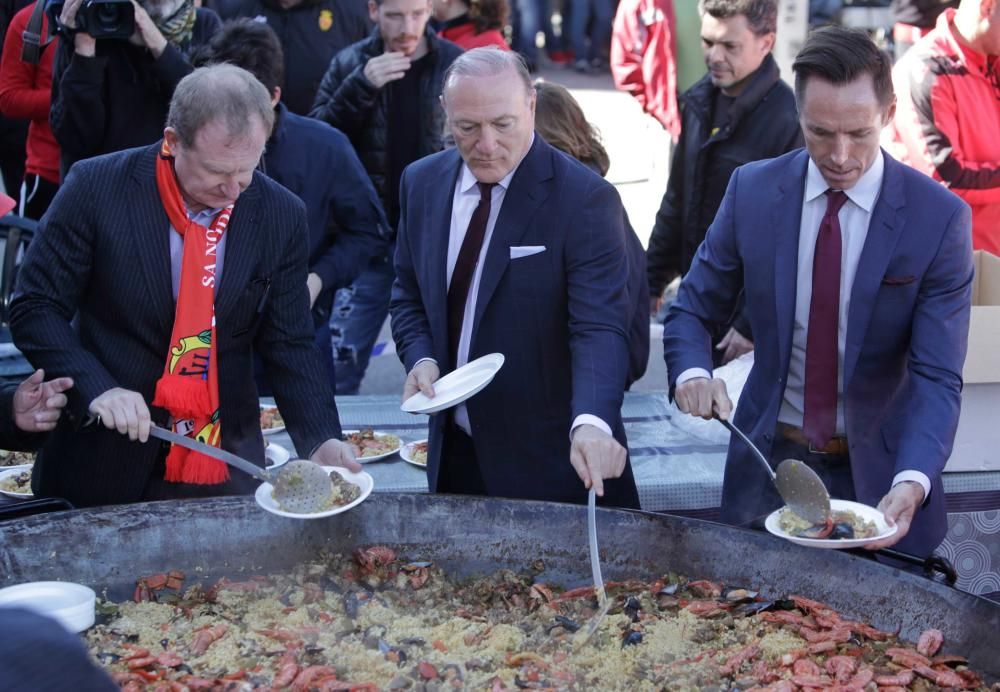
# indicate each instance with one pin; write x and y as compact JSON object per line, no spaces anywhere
{"x":640,"y":160}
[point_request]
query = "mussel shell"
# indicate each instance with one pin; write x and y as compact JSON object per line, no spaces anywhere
{"x":755,"y":607}
{"x":632,"y":638}
{"x":842,"y":531}
{"x":631,"y":608}
{"x":740,"y":595}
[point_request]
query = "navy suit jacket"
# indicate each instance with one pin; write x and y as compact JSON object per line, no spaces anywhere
{"x":560,"y":317}
{"x":94,"y":301}
{"x":907,"y":329}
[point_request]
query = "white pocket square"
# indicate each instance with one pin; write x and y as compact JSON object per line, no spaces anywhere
{"x":525,"y":251}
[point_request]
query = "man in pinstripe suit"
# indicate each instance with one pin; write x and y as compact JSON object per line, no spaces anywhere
{"x":96,"y":300}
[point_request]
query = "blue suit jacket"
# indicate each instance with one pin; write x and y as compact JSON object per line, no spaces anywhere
{"x":560,"y":317}
{"x":906,"y":335}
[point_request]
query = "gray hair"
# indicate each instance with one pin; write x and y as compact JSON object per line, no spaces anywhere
{"x":218,"y":93}
{"x":488,"y":61}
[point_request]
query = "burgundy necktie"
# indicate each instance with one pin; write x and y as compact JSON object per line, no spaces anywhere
{"x":465,"y":268}
{"x":819,"y":421}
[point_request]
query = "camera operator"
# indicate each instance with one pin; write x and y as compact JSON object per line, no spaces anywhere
{"x":110,"y":94}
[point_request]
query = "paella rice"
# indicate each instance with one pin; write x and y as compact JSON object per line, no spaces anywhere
{"x":854,"y":526}
{"x":17,"y":482}
{"x":376,"y":621}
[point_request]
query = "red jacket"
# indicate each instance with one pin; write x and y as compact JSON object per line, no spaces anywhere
{"x":26,"y":92}
{"x":947,"y":123}
{"x":642,"y":58}
{"x":464,"y":35}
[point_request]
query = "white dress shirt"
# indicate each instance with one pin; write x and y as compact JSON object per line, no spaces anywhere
{"x":464,"y":204}
{"x":854,"y":216}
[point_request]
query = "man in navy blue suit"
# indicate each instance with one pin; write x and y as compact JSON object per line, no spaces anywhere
{"x":507,"y":245}
{"x":858,"y":274}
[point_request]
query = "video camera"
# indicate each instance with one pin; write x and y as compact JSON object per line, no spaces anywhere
{"x":99,"y":18}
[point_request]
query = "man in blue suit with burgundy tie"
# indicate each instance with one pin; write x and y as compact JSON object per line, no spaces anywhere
{"x":507,"y":245}
{"x":858,"y":279}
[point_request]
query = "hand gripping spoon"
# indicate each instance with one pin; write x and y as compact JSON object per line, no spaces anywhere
{"x":799,"y":486}
{"x":300,"y":486}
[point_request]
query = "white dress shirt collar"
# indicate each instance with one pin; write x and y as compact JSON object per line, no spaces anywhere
{"x":865,"y":191}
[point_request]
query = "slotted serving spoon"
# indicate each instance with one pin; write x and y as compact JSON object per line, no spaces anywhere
{"x":799,"y":486}
{"x":300,"y":486}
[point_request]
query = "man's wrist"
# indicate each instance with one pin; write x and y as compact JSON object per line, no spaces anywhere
{"x":589,"y":419}
{"x":692,"y":374}
{"x":916,"y":477}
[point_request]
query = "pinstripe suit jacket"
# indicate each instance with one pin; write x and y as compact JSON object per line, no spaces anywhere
{"x":94,"y":301}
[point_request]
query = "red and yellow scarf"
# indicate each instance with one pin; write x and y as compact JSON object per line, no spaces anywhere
{"x":189,"y":387}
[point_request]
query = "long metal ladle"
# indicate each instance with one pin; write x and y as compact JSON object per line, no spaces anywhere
{"x":300,"y":486}
{"x":799,"y":486}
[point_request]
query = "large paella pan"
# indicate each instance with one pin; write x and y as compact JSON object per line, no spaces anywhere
{"x":494,"y":582}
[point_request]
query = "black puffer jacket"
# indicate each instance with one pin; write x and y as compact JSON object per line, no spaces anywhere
{"x":763,"y":123}
{"x":352,"y":104}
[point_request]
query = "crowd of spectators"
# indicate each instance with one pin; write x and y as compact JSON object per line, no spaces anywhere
{"x":356,"y":86}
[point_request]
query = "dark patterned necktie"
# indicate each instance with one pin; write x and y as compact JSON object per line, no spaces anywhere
{"x":465,"y":268}
{"x":819,"y":421}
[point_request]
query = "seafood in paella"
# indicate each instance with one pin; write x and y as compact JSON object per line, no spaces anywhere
{"x":343,"y":491}
{"x":270,"y":418}
{"x":373,"y":444}
{"x":841,"y":524}
{"x":377,"y":620}
{"x":10,"y":458}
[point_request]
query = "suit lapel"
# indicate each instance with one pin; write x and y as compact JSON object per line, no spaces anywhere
{"x":152,"y":248}
{"x":791,"y":190}
{"x":242,"y":248}
{"x":883,"y":233}
{"x":522,"y":199}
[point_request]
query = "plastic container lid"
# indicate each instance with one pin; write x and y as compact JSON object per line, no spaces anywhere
{"x":72,"y":605}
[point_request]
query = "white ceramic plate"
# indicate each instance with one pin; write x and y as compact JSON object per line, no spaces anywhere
{"x":71,"y":604}
{"x":276,"y":428}
{"x":13,"y":471}
{"x":361,"y":479}
{"x":863,"y":511}
{"x":406,"y":454}
{"x":275,"y":455}
{"x":456,"y":386}
{"x":376,"y":457}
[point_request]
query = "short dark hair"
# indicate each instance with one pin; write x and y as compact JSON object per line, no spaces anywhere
{"x":840,"y":56}
{"x":762,"y":15}
{"x":249,"y":44}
